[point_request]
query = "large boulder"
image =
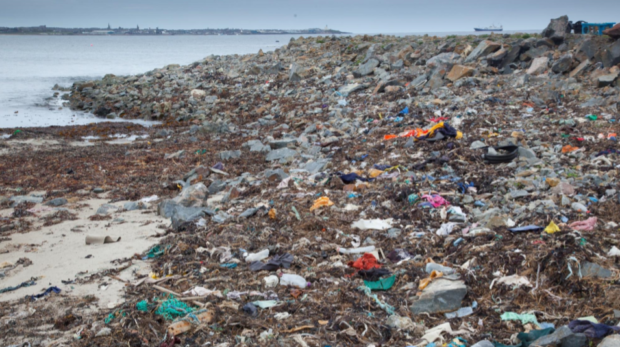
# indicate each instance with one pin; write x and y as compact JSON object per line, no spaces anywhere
{"x":613,"y":31}
{"x":556,"y":30}
{"x":580,"y":68}
{"x":563,"y":64}
{"x":459,"y":71}
{"x":539,"y":65}
{"x":496,"y":59}
{"x":367,"y":68}
{"x":511,"y":56}
{"x":485,"y":48}
{"x":614,"y":52}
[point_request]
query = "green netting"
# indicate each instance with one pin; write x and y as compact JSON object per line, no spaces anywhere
{"x":171,"y":308}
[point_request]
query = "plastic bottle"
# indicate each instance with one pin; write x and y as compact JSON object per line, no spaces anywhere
{"x":252,"y":257}
{"x":294,"y":280}
{"x":367,"y":249}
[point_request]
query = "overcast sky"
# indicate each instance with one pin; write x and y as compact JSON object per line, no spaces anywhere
{"x":358,"y":16}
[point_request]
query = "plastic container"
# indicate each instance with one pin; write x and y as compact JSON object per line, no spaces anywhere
{"x":252,"y":257}
{"x":367,"y":249}
{"x":294,"y":281}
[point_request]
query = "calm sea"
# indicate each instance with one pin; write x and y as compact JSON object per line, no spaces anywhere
{"x":31,"y":65}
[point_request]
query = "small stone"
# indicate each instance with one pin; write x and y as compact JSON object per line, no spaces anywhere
{"x":16,"y":200}
{"x":282,"y":153}
{"x":441,"y":296}
{"x":562,"y":337}
{"x":527,"y":153}
{"x":57,"y":202}
{"x":610,"y":341}
{"x":225,"y":155}
{"x":515,"y":194}
{"x":106,"y":209}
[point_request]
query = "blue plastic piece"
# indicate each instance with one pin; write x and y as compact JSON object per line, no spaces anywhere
{"x":590,"y":28}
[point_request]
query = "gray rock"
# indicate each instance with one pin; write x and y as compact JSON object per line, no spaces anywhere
{"x":225,"y":155}
{"x":444,"y":58}
{"x":134,"y":205}
{"x":593,"y":270}
{"x":277,"y":174}
{"x":350,"y":88}
{"x":16,"y":200}
{"x":563,"y":64}
{"x":556,"y":30}
{"x":317,"y":166}
{"x":277,"y":144}
{"x":192,"y":195}
{"x":610,"y":341}
{"x":281,"y":153}
{"x":606,"y":80}
{"x":57,"y":202}
{"x":485,"y":48}
{"x":106,"y":209}
{"x":98,"y":190}
{"x":249,"y":212}
{"x":441,"y":296}
{"x":217,"y":186}
{"x":294,"y":73}
{"x":526,"y":153}
{"x":367,"y":68}
{"x":515,"y":194}
{"x":182,"y":214}
{"x":221,"y":217}
{"x":614,"y":53}
{"x":511,"y":56}
{"x":562,"y":337}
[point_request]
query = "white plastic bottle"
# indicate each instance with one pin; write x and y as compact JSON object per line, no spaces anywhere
{"x":293,"y":280}
{"x":367,"y":249}
{"x":252,"y":257}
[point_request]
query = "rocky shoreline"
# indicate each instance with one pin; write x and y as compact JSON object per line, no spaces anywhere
{"x":341,"y":191}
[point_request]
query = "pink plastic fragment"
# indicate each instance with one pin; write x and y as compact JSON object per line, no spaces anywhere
{"x":584,"y":225}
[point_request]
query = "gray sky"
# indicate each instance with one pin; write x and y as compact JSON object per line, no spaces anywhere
{"x":358,"y":16}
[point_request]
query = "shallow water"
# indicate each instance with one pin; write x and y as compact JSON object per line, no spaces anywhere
{"x":31,"y":65}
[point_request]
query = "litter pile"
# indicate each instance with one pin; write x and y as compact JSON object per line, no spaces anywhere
{"x":348,"y":191}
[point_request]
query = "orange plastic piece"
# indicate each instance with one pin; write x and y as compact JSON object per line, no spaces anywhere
{"x":425,"y":282}
{"x":272,"y":213}
{"x":389,"y":137}
{"x":374,"y":172}
{"x":320,"y":202}
{"x":365,"y":262}
{"x":569,"y":148}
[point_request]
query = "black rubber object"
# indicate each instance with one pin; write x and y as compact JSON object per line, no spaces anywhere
{"x":513,"y":152}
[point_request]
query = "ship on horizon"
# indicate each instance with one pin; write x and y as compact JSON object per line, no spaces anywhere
{"x":491,"y":28}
